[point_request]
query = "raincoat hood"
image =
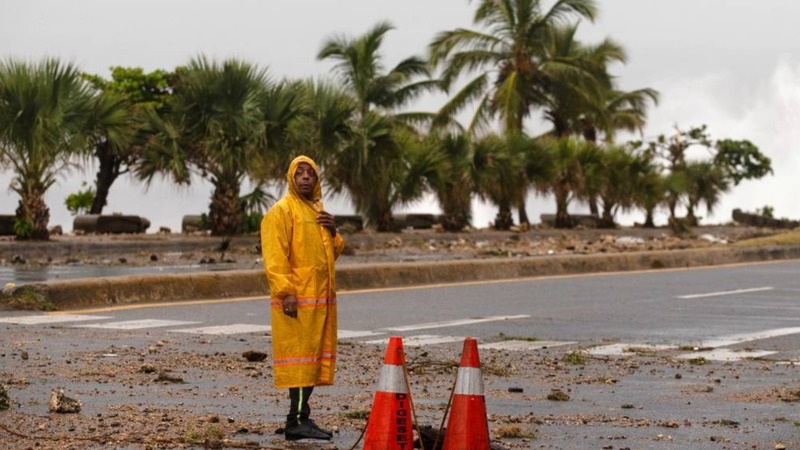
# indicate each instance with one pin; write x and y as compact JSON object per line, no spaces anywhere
{"x":293,"y":190}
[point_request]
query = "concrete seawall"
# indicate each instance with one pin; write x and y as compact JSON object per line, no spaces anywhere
{"x":84,"y":293}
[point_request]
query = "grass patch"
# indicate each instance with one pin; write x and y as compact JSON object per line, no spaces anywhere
{"x":786,"y":238}
{"x":513,"y":432}
{"x":27,"y":298}
{"x":698,"y":361}
{"x":5,"y":402}
{"x":359,"y":414}
{"x":505,"y":337}
{"x":642,"y":351}
{"x":576,"y":357}
{"x":195,"y":437}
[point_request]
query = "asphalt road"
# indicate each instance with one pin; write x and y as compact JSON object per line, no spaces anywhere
{"x":700,"y":358}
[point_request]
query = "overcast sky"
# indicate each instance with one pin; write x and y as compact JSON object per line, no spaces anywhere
{"x":731,"y":64}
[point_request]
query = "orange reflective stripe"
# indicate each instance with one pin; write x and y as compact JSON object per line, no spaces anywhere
{"x":302,"y":360}
{"x":306,"y":302}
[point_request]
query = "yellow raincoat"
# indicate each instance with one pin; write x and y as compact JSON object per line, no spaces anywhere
{"x":299,"y":257}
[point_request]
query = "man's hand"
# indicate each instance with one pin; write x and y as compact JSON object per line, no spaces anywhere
{"x":290,"y":306}
{"x":328,"y":221}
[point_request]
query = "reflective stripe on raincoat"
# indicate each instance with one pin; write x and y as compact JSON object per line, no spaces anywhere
{"x":299,"y":257}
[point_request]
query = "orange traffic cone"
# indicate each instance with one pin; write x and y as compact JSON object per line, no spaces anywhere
{"x":390,"y":423}
{"x":467,"y":428}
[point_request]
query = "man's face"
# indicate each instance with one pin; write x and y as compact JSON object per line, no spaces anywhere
{"x":305,"y":178}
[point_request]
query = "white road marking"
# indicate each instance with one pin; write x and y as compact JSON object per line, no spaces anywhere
{"x":137,"y":324}
{"x":44,"y":319}
{"x":239,"y":328}
{"x":421,"y":340}
{"x":347,"y":334}
{"x":523,"y":345}
{"x":747,"y":337}
{"x":726,"y":354}
{"x":455,"y":323}
{"x":720,"y":293}
{"x":627,"y":349}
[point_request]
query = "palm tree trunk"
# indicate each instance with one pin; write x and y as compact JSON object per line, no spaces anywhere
{"x":385,"y":222}
{"x":648,"y":219}
{"x":33,"y":215}
{"x":607,"y":220}
{"x":590,"y":135}
{"x":690,"y":217}
{"x":225,"y":211}
{"x":503,"y":220}
{"x":523,"y":215}
{"x":562,"y":215}
{"x":107,"y":173}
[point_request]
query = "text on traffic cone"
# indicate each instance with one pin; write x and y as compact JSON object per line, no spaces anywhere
{"x":390,"y":422}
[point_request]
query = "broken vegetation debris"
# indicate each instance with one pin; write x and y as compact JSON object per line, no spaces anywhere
{"x":60,"y":403}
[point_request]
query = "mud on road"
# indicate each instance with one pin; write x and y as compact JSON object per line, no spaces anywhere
{"x":153,"y":391}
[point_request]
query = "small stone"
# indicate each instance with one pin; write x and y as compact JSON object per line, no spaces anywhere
{"x":153,"y":257}
{"x":60,"y":403}
{"x":558,"y":395}
{"x":254,"y":356}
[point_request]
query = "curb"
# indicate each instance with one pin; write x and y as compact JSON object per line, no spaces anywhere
{"x":123,"y":290}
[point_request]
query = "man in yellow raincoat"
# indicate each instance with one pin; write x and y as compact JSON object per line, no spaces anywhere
{"x":300,"y":243}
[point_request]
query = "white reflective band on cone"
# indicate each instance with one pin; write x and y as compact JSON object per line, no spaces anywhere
{"x":469,"y":382}
{"x":392,"y":379}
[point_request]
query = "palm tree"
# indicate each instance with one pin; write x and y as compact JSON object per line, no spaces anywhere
{"x":216,"y":128}
{"x":512,"y":67}
{"x":618,"y":110}
{"x":118,"y":122}
{"x":510,"y":60}
{"x":372,"y":165}
{"x":572,"y":160}
{"x":620,"y":169}
{"x":114,"y":127}
{"x":571,"y":95}
{"x":454,"y":178}
{"x":500,"y":165}
{"x":44,"y":111}
{"x":706,"y":183}
{"x":325,"y":125}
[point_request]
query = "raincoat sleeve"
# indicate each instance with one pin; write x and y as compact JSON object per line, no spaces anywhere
{"x":276,"y":235}
{"x":338,"y":245}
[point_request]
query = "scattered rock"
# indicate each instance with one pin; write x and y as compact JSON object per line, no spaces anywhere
{"x":9,"y":288}
{"x":153,"y":257}
{"x":557,"y":395}
{"x":164,"y":377}
{"x":60,"y":403}
{"x":147,"y":368}
{"x":254,"y":356}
